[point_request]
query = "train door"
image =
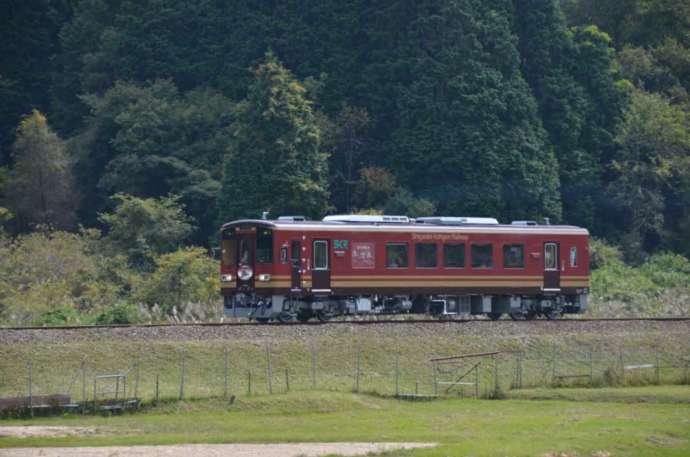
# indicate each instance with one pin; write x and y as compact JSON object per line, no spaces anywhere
{"x":321,"y":269}
{"x":245,"y":261}
{"x":296,"y":265}
{"x":552,"y":273}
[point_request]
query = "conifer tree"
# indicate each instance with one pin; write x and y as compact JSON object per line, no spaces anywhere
{"x":275,"y":162}
{"x":41,"y":189}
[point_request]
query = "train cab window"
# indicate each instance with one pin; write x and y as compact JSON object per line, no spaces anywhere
{"x":425,"y":255}
{"x":264,"y":246}
{"x":396,"y":255}
{"x":514,"y":256}
{"x":229,"y":251}
{"x":321,"y":255}
{"x":454,"y":255}
{"x":573,"y":257}
{"x":482,"y":255}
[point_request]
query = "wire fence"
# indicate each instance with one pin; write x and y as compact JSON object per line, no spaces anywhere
{"x":263,"y":368}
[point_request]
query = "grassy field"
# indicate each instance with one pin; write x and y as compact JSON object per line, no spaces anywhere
{"x":330,"y":360}
{"x":460,"y":426}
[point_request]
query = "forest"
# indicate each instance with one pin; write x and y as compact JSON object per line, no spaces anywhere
{"x":130,"y":130}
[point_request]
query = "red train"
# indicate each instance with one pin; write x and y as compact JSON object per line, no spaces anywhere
{"x":292,"y":268}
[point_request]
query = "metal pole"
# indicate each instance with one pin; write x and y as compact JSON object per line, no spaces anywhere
{"x":313,"y":365}
{"x":553,"y":365}
{"x":287,"y":380}
{"x":591,"y":367}
{"x":434,"y":368}
{"x":397,"y":374}
{"x":359,"y":356}
{"x":95,"y":380}
{"x":83,"y":387}
{"x":496,"y":385}
{"x":269,"y":368}
{"x":182,"y":370}
{"x":658,"y":368}
{"x":476,"y":381}
{"x":31,"y":405}
{"x":249,"y":383}
{"x":157,"y":388}
{"x":117,"y":386}
{"x":136,"y":381}
{"x":226,"y":365}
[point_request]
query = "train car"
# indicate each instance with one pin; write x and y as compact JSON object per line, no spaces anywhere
{"x":292,"y":268}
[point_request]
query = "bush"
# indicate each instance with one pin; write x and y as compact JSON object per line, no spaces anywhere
{"x":119,"y":313}
{"x":185,"y":276}
{"x":65,"y":315}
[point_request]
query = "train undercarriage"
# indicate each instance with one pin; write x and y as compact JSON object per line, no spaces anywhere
{"x":287,"y":308}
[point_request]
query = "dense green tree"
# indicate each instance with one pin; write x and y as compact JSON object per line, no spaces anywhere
{"x":152,"y":140}
{"x":570,"y":73}
{"x":469,"y":135}
{"x":651,"y":168}
{"x":275,"y":162}
{"x":41,"y":189}
{"x":141,"y":228}
{"x":28,"y":40}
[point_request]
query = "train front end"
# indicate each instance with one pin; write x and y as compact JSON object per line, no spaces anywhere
{"x":246,"y":270}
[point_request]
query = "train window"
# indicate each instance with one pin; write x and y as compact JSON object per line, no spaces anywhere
{"x":573,"y":257}
{"x":396,"y":255}
{"x":482,"y":255}
{"x":264,"y":246}
{"x":283,"y":254}
{"x":425,"y":255}
{"x":321,"y":255}
{"x":229,"y":251}
{"x":513,"y":256}
{"x":550,"y":256}
{"x":454,"y":255}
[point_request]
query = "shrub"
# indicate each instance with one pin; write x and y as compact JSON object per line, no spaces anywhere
{"x":119,"y":313}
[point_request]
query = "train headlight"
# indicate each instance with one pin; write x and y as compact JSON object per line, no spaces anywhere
{"x":245,"y":272}
{"x":225,"y":278}
{"x":264,"y":277}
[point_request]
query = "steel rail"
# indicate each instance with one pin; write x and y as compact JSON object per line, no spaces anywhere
{"x":344,"y":322}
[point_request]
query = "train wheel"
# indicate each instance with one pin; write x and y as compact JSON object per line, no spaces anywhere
{"x":553,"y":314}
{"x":518,"y":316}
{"x":323,"y":315}
{"x":494,"y":316}
{"x":263,"y":320}
{"x":284,"y":317}
{"x":530,"y":315}
{"x":304,"y":315}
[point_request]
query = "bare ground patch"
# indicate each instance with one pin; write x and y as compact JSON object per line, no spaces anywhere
{"x":50,"y":431}
{"x":217,"y":450}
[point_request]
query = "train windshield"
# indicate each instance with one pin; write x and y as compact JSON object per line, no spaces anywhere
{"x":228,"y":246}
{"x":264,"y":246}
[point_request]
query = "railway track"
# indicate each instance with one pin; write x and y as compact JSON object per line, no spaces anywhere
{"x":346,"y":322}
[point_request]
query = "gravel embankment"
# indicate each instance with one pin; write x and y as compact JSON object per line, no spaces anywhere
{"x":394,"y":330}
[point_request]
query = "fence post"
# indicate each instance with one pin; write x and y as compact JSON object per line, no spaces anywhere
{"x":357,"y":368}
{"x":226,"y":365}
{"x":553,"y":365}
{"x":30,"y":369}
{"x":249,"y":383}
{"x":157,"y":388}
{"x":136,"y":381}
{"x":83,"y":387}
{"x":496,"y":384}
{"x":622,"y":364}
{"x":476,"y":381}
{"x":658,"y":368}
{"x":287,"y":380}
{"x":434,"y":370}
{"x":591,"y":368}
{"x":269,"y":368}
{"x":397,"y":374}
{"x":313,"y":365}
{"x":95,"y":380}
{"x":182,"y":373}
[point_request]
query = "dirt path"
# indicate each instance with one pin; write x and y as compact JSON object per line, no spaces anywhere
{"x":44,"y":431}
{"x":217,"y":450}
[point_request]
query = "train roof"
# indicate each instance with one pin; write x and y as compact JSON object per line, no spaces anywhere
{"x":482,"y":225}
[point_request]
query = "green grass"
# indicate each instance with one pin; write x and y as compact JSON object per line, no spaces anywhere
{"x":461,"y":427}
{"x":643,"y":394}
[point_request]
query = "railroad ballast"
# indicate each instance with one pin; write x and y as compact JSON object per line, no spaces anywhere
{"x":293,"y":268}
